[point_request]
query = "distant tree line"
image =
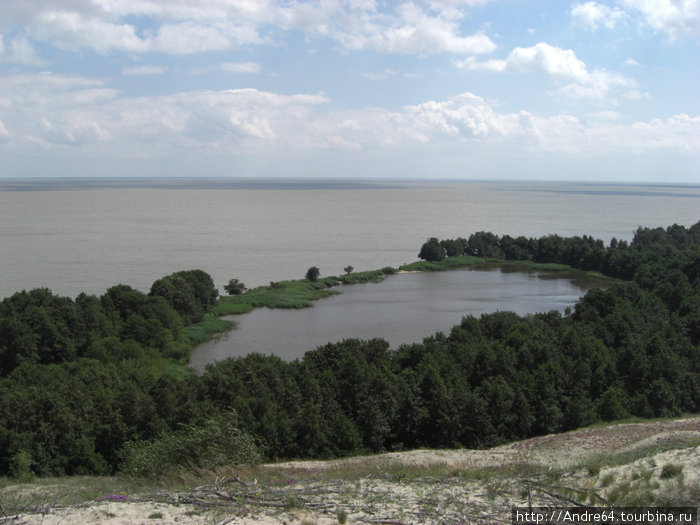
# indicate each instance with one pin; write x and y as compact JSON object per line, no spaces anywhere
{"x":92,"y":384}
{"x":618,"y":259}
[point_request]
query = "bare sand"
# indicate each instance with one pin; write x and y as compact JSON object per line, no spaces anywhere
{"x":656,"y":461}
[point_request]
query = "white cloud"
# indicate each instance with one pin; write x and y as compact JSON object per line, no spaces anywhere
{"x":562,"y":65}
{"x":55,"y":109}
{"x":415,"y":32}
{"x":230,"y":67}
{"x":679,"y":133}
{"x":605,"y":116}
{"x":631,"y":62}
{"x":593,"y":15}
{"x":190,"y":27}
{"x":387,"y":73}
{"x":50,"y":109}
{"x":674,"y":18}
{"x":4,"y":133}
{"x":74,"y":31}
{"x":19,"y":51}
{"x":44,"y":112}
{"x":464,"y":116}
{"x":144,"y":70}
{"x":635,"y":94}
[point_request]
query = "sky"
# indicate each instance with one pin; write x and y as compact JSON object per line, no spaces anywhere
{"x":469,"y":89}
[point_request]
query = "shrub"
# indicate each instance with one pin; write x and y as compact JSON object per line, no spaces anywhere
{"x":218,"y":442}
{"x":234,"y":287}
{"x":21,"y":466}
{"x":313,"y":273}
{"x":671,"y":470}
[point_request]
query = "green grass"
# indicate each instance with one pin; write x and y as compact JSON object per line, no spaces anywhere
{"x":65,"y":491}
{"x":462,"y":261}
{"x":210,"y":325}
{"x":436,"y":266}
{"x":373,"y":276}
{"x":293,"y":294}
{"x":282,"y":294}
{"x":195,"y":334}
{"x":671,"y":470}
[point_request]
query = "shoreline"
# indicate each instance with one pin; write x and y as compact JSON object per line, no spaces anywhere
{"x":290,"y":295}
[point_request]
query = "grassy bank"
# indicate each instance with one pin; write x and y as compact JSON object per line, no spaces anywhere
{"x":293,"y":294}
{"x":204,"y":330}
{"x":463,"y":261}
{"x":459,"y":261}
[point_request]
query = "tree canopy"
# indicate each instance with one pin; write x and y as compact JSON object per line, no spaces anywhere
{"x":90,"y":382}
{"x":313,"y":273}
{"x":432,"y":250}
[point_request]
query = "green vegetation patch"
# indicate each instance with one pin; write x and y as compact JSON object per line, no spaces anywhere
{"x":218,"y":442}
{"x":293,"y":294}
{"x":373,"y":276}
{"x":197,"y":333}
{"x":282,"y":294}
{"x":458,"y":261}
{"x":80,"y":378}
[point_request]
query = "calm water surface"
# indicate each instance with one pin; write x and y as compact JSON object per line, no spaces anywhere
{"x":87,"y":235}
{"x":404,"y":308}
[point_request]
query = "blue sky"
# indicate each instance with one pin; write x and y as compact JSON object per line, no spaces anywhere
{"x":484,"y":89}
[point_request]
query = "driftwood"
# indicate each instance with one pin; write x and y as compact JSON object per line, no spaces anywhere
{"x":551,"y":488}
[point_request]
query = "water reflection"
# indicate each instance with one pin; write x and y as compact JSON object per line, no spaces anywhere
{"x":404,"y":308}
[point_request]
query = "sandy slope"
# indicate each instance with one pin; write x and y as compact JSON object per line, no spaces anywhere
{"x":422,"y":486}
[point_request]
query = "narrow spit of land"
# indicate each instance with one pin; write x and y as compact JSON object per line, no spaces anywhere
{"x":627,"y":464}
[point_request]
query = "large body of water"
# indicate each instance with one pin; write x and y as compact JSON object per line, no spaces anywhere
{"x":87,"y":235}
{"x":404,"y":308}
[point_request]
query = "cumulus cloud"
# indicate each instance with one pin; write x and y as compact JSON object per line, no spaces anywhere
{"x":70,"y":110}
{"x":674,"y":18}
{"x":413,"y":31}
{"x":562,"y":65}
{"x":465,"y":116}
{"x":180,"y":28}
{"x":469,"y":120}
{"x":593,"y":15}
{"x":89,"y":117}
{"x":74,"y":31}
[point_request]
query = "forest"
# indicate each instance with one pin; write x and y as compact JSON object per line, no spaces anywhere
{"x":98,"y":385}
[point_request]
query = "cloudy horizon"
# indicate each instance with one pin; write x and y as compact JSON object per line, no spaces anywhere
{"x":483,"y":89}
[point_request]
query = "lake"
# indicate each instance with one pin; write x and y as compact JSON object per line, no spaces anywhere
{"x":404,"y":308}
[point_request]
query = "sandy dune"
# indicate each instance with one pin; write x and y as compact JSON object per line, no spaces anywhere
{"x":648,"y":462}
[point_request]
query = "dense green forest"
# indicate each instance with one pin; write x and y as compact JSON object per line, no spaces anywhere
{"x":95,"y":384}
